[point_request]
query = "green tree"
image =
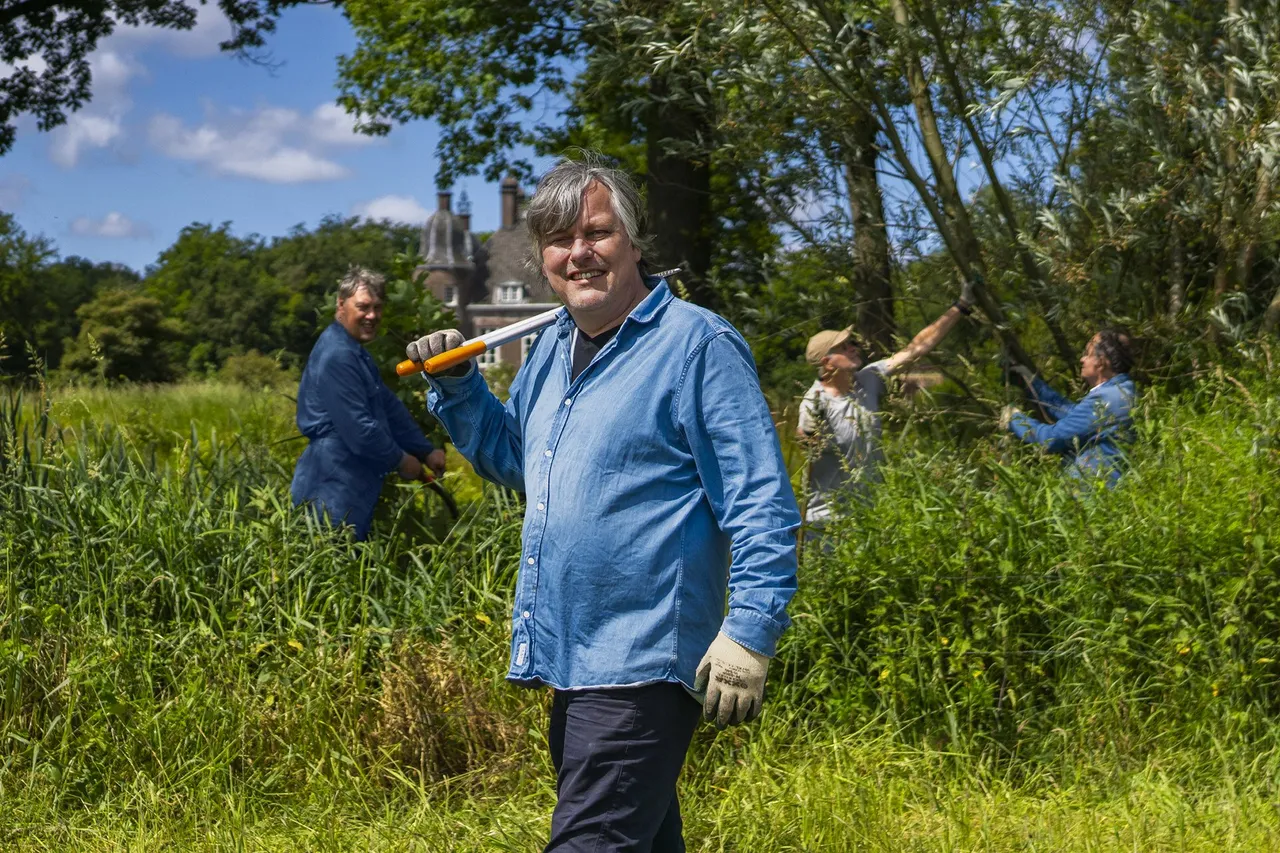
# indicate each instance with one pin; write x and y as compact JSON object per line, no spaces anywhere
{"x":23,"y":260}
{"x":479,"y":69}
{"x":215,"y":286}
{"x":63,"y":286}
{"x":308,"y":264}
{"x":123,"y":335}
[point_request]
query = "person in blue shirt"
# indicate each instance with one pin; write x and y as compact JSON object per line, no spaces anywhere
{"x":1090,"y":433}
{"x":655,"y":489}
{"x":358,"y":430}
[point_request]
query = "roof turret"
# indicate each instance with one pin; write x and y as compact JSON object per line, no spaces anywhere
{"x":447,"y":243}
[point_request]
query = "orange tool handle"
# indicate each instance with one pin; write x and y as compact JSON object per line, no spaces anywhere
{"x":443,"y":361}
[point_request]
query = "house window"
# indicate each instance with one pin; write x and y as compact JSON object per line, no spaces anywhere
{"x":488,"y":358}
{"x":510,"y":293}
{"x":526,"y":343}
{"x":450,"y":295}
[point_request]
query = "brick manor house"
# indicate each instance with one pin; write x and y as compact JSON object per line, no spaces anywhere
{"x":486,"y":284}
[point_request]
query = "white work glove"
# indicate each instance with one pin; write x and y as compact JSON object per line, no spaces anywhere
{"x":1006,"y":416}
{"x":733,"y":678}
{"x":1028,"y":375}
{"x":435,"y":343}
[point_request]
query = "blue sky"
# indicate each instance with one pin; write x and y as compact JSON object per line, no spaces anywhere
{"x":178,"y":132}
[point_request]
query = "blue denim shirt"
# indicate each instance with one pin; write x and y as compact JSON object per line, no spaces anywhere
{"x":358,"y":431}
{"x":1089,"y":433}
{"x":642,"y":476}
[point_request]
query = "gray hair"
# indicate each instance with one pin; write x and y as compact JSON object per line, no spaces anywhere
{"x":358,"y":277}
{"x":557,"y":203}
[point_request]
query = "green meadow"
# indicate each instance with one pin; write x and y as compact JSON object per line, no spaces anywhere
{"x":987,"y":658}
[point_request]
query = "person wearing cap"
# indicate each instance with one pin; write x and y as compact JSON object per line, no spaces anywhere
{"x":840,"y":413}
{"x":658,"y":554}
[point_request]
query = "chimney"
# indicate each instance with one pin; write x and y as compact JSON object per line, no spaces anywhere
{"x":464,"y":210}
{"x":510,"y":195}
{"x":442,"y":199}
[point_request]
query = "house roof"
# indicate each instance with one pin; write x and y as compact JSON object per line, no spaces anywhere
{"x":446,"y":243}
{"x":505,"y":254}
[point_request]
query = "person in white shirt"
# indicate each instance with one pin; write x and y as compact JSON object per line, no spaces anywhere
{"x":840,"y":414}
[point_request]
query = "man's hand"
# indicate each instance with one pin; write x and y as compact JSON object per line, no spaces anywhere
{"x":435,"y":461}
{"x":434,"y":344}
{"x":1006,"y":416}
{"x":409,"y":468}
{"x":1027,"y":374}
{"x":733,"y":678}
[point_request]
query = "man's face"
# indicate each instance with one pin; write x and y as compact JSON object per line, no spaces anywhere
{"x":1093,"y":367}
{"x":360,"y":315}
{"x":846,"y":357}
{"x":592,"y":264}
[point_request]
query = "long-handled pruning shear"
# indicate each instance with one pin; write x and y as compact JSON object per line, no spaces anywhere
{"x":428,"y":479}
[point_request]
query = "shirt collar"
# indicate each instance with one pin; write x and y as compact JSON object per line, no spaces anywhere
{"x":645,"y":312}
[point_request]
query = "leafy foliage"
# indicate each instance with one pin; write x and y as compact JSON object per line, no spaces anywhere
{"x":123,"y":335}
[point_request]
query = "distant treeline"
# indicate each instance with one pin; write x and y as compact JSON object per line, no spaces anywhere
{"x":209,"y":297}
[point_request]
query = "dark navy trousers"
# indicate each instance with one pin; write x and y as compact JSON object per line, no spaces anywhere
{"x":618,"y":753}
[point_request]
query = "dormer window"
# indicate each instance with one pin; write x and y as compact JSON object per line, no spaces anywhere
{"x":450,"y":295}
{"x":510,"y":293}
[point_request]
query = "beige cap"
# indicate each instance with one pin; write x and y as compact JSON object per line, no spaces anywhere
{"x":824,"y":342}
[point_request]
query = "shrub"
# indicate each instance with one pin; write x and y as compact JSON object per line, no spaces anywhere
{"x":256,"y":371}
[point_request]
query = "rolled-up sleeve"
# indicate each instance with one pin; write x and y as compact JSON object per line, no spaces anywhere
{"x":726,"y":421}
{"x":1056,"y":404}
{"x":1077,"y":426}
{"x":483,"y":430}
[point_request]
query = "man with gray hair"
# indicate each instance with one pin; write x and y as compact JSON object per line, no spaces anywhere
{"x":358,"y":430}
{"x":656,"y":486}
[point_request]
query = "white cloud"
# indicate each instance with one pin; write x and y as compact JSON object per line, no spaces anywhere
{"x":82,"y":131}
{"x":272,"y":144}
{"x":101,"y":123}
{"x":212,"y":28}
{"x":397,"y":208}
{"x":36,"y":63}
{"x":114,"y":225}
{"x":330,"y":124}
{"x":114,"y":66}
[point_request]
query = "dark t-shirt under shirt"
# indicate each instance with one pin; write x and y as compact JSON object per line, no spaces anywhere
{"x":585,"y":348}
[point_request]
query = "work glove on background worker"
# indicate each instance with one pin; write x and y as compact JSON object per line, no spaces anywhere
{"x":733,"y":678}
{"x":435,"y":343}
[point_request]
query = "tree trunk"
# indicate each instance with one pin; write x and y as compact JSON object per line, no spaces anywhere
{"x":871,"y":278}
{"x":966,"y":250}
{"x":1271,"y":319}
{"x":1030,"y":269}
{"x":1227,"y":237}
{"x":1249,"y":251}
{"x":679,"y":189}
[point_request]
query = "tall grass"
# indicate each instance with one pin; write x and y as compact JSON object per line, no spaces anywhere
{"x":987,"y":657}
{"x":985,"y":602}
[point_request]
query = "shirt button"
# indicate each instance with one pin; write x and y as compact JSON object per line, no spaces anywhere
{"x":526,"y":614}
{"x":530,"y":561}
{"x":542,"y":506}
{"x":568,"y":401}
{"x":546,"y":453}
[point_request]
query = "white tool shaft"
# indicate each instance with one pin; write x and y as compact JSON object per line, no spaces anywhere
{"x":516,"y":330}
